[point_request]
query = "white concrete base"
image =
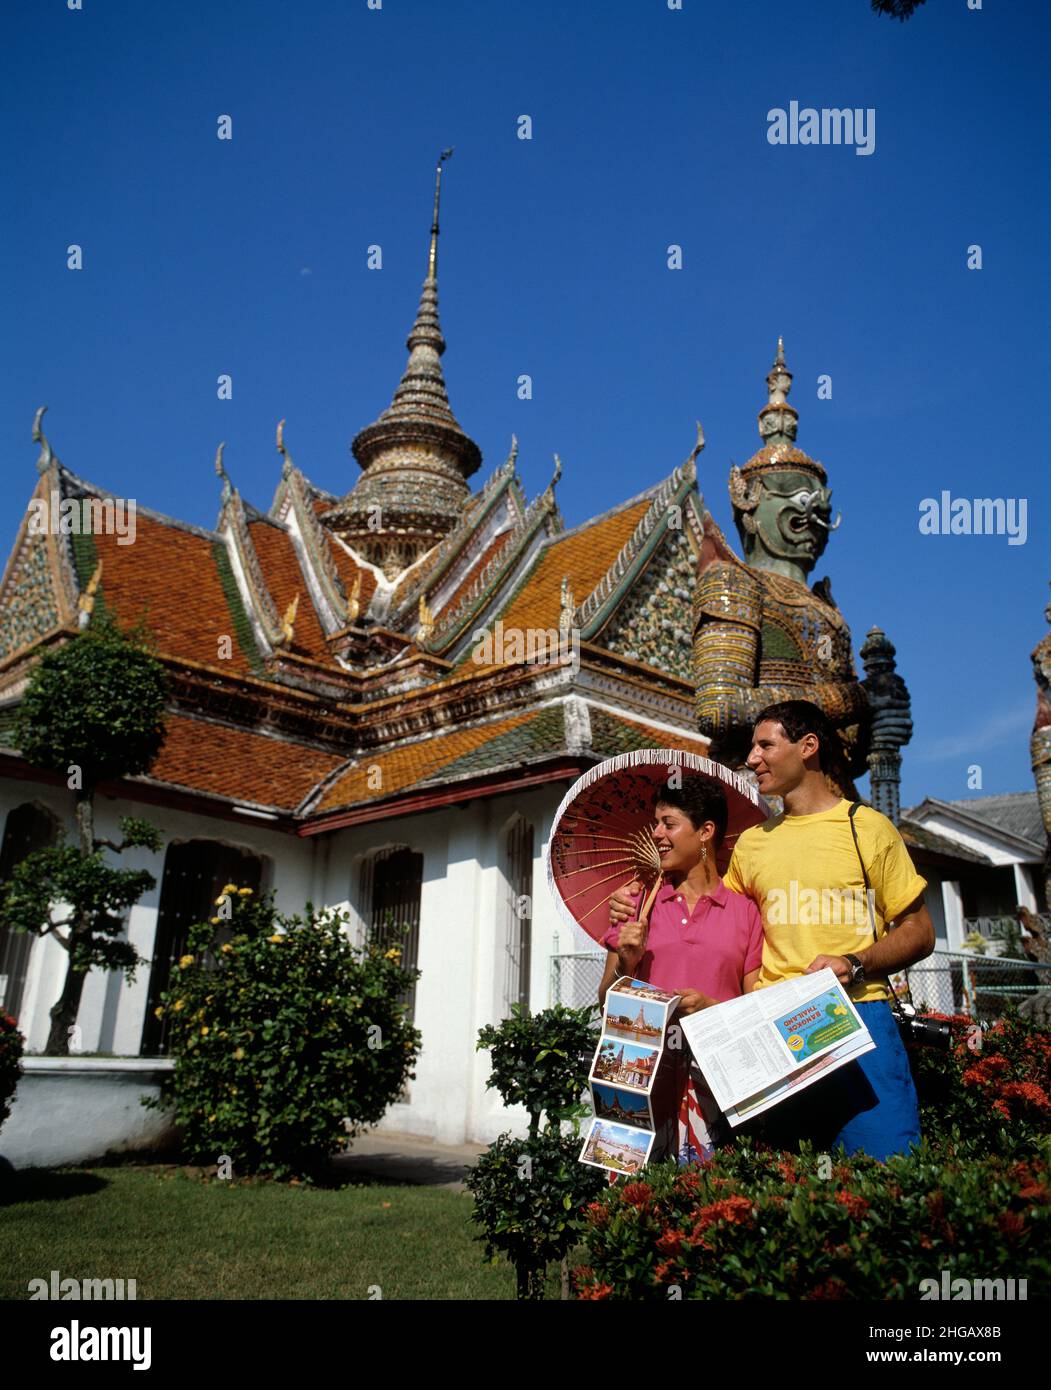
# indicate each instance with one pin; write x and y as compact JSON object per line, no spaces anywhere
{"x":71,"y":1109}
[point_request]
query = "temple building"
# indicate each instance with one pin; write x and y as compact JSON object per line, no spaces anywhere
{"x":379,"y":699}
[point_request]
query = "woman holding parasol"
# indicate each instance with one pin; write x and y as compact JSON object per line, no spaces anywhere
{"x":668,"y":819}
{"x":700,"y":939}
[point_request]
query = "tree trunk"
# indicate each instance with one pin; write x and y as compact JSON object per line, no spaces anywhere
{"x":64,"y":1012}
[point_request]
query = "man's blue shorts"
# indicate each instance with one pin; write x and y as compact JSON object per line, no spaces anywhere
{"x":868,"y":1106}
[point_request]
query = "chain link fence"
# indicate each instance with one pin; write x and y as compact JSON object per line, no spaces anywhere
{"x":955,"y":982}
{"x":575,"y":978}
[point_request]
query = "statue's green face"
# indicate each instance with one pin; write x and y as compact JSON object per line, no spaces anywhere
{"x":792,"y":520}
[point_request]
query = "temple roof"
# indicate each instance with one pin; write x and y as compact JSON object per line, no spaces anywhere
{"x":296,"y":665}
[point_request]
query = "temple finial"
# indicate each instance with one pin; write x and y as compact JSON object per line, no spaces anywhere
{"x":778,"y":421}
{"x":46,"y":457}
{"x":432,"y":258}
{"x":221,"y":470}
{"x":286,"y":467}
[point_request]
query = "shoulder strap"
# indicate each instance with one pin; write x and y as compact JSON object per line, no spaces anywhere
{"x":895,"y":1003}
{"x":854,"y":806}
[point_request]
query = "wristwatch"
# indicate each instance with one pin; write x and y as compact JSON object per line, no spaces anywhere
{"x":857,"y":969}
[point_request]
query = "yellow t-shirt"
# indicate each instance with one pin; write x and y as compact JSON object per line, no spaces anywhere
{"x":803,"y":873}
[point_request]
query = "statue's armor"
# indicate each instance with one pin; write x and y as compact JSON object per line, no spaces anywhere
{"x":760,"y":637}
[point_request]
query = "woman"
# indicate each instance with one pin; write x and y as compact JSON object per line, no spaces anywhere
{"x":702,"y":941}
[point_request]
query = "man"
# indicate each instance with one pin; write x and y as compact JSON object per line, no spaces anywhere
{"x":787,"y":865}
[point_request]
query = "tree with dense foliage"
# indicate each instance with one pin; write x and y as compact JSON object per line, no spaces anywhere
{"x":92,"y":712}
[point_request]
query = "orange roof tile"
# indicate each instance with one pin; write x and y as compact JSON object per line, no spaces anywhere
{"x":169,"y":577}
{"x":242,"y":766}
{"x":584,"y":555}
{"x":284,"y":578}
{"x":404,"y":767}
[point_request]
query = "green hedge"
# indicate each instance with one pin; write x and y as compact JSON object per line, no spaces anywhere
{"x":755,"y":1222}
{"x":991,"y":1089}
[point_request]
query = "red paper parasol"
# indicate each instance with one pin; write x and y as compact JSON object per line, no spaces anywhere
{"x":601,"y":838}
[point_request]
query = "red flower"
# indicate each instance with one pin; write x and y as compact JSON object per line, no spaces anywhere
{"x":1002,"y":1108}
{"x":1030,"y":1092}
{"x":1034,"y":1191}
{"x":595,"y":1291}
{"x":854,"y":1204}
{"x":636,"y":1194}
{"x":1010,"y":1224}
{"x":829,"y":1288}
{"x":598,"y":1213}
{"x":735,"y":1210}
{"x":669,"y":1242}
{"x":662,"y":1271}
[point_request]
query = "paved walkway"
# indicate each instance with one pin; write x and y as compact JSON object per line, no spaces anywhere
{"x":388,"y":1157}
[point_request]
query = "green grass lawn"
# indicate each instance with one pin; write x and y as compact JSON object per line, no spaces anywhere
{"x":180,"y":1236}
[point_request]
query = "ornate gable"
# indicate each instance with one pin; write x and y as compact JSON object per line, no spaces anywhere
{"x":652,"y":623}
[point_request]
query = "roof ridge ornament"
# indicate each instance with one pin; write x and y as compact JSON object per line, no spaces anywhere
{"x":287,"y":464}
{"x":47,"y":455}
{"x":220,"y":469}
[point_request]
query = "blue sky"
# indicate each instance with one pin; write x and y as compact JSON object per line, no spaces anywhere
{"x":649,"y":129}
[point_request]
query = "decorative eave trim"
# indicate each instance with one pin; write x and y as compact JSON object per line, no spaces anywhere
{"x":258,"y":601}
{"x":313,"y":550}
{"x":490,"y":581}
{"x":599,"y":606}
{"x":502,"y":480}
{"x":559,"y":767}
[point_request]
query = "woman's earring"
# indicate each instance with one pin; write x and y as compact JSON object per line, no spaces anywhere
{"x":704,"y":854}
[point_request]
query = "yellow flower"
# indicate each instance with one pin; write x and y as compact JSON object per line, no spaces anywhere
{"x":226,"y":947}
{"x":230,"y":888}
{"x":276,"y":937}
{"x":184,"y":961}
{"x":394,"y":953}
{"x":178,"y":1004}
{"x":211,"y":1119}
{"x":204,"y":1031}
{"x":214,"y":921}
{"x":244,"y":892}
{"x":238,"y":1054}
{"x":159,"y":1012}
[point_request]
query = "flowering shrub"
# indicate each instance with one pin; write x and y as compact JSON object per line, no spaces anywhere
{"x":11,"y":1046}
{"x":991,"y":1090}
{"x":755,"y":1222}
{"x":281,"y":1032}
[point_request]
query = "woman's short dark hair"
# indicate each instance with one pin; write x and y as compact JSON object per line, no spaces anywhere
{"x":700,"y":799}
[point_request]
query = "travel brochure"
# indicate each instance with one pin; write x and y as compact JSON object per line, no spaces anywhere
{"x":757,"y":1050}
{"x":754,"y":1051}
{"x":624,"y":1076}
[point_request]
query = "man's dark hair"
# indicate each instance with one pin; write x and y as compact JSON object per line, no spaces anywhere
{"x":799,"y":717}
{"x":700,"y":799}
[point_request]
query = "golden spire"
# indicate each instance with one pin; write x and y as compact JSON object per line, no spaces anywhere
{"x":432,"y":257}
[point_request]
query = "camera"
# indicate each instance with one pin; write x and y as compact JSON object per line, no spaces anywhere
{"x":920,"y":1031}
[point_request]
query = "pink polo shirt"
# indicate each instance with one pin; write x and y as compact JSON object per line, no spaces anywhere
{"x":710,"y":949}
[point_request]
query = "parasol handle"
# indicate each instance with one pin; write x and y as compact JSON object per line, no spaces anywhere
{"x":647,"y":906}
